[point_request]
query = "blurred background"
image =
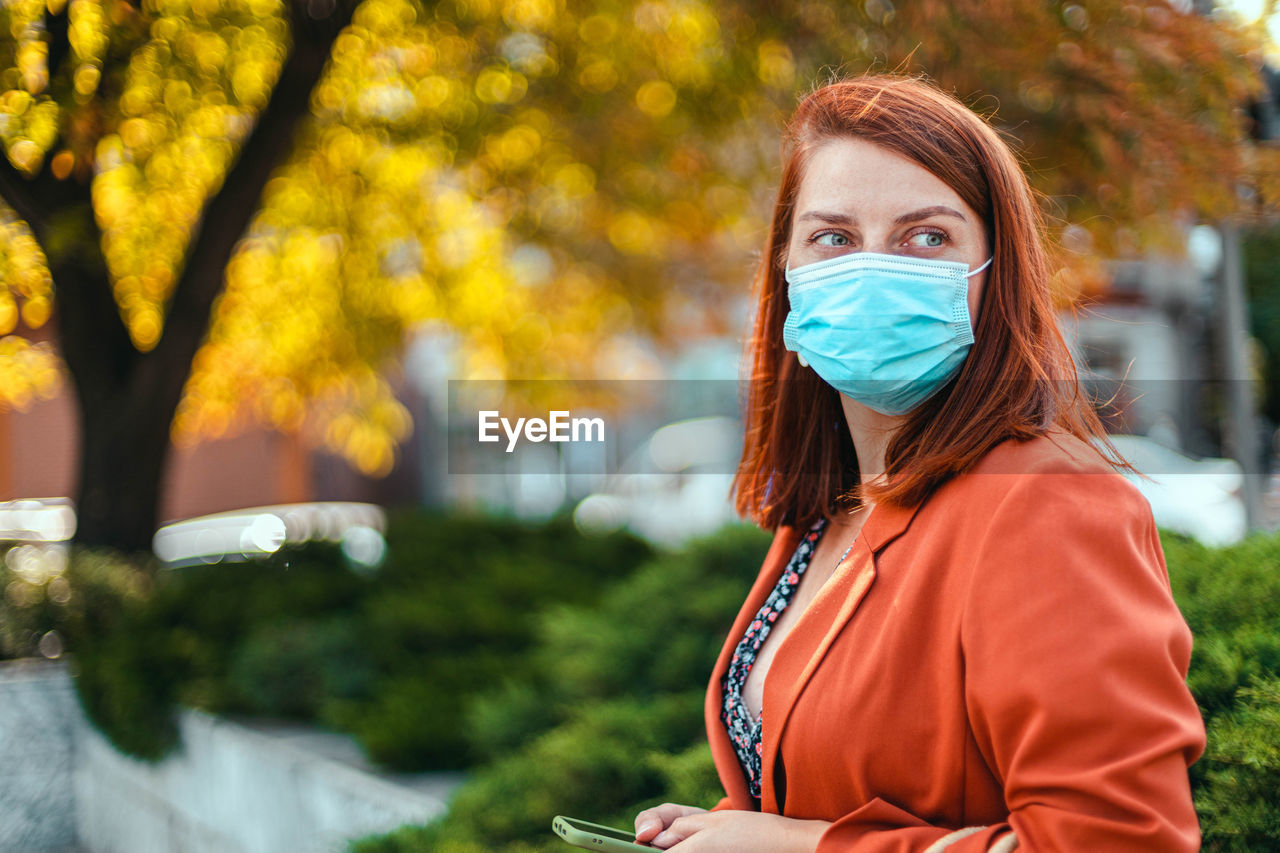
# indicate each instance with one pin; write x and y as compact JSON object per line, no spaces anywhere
{"x":245,"y":246}
{"x":259,"y":260}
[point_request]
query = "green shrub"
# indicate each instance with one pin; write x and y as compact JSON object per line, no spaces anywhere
{"x":657,"y":632}
{"x":608,"y":718}
{"x":126,"y":686}
{"x":510,"y":714}
{"x":1237,"y":799}
{"x":608,"y":757}
{"x":597,"y":763}
{"x":1222,"y":589}
{"x":296,"y":668}
{"x":413,"y":720}
{"x":688,"y":777}
{"x":1231,"y":600}
{"x":126,"y":671}
{"x":454,"y":614}
{"x":28,"y":608}
{"x":394,"y":657}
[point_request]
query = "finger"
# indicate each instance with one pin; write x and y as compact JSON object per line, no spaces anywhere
{"x":678,"y":830}
{"x":664,"y":840}
{"x":647,"y":827}
{"x":652,"y":821}
{"x":649,"y":823}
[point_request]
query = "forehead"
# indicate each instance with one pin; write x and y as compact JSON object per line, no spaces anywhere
{"x":854,"y":176}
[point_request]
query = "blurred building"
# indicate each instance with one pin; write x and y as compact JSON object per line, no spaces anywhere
{"x":1145,"y":348}
{"x":1166,"y":349}
{"x":39,"y":459}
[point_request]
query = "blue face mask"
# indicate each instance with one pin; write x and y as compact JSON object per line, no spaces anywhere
{"x":885,"y":330}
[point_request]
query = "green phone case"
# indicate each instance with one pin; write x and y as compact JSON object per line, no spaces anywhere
{"x":593,"y":836}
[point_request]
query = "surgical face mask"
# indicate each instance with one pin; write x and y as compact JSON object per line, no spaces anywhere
{"x":885,"y":330}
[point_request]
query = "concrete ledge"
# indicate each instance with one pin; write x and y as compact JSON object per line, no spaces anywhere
{"x":231,"y":787}
{"x":38,"y":709}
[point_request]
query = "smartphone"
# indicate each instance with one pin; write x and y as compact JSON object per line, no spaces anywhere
{"x":593,"y":836}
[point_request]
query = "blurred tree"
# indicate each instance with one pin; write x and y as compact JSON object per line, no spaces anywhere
{"x":229,"y":230}
{"x":103,"y":100}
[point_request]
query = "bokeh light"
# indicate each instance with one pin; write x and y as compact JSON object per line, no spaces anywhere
{"x":554,"y":181}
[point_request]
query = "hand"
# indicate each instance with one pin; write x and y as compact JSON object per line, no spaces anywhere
{"x":696,"y":831}
{"x":651,"y":822}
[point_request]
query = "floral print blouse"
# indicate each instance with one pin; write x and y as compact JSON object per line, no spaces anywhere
{"x":745,"y":732}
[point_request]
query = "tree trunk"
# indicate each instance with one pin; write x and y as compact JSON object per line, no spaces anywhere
{"x":124,"y":446}
{"x":125,"y":404}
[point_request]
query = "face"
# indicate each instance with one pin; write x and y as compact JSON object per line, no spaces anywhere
{"x":856,"y":196}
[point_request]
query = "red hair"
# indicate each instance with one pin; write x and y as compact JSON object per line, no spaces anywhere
{"x":1018,"y":381}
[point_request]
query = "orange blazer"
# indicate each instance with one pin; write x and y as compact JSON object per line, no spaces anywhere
{"x":1000,"y":668}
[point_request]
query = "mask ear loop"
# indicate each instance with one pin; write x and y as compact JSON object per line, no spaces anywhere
{"x":981,"y":268}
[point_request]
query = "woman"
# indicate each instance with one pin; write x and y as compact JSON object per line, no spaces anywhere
{"x":965,"y":618}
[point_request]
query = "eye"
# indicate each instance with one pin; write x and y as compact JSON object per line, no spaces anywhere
{"x":830,"y":238}
{"x":927,"y":239}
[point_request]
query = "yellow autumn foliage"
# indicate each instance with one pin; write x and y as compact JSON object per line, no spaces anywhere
{"x":547,"y":178}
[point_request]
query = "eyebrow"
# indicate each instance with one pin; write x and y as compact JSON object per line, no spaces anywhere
{"x":913,"y":216}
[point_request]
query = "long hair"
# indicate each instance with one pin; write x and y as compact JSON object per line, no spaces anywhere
{"x":1018,"y":381}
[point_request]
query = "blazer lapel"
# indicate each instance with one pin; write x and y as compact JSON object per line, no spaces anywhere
{"x":803,"y":649}
{"x":726,"y":759}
